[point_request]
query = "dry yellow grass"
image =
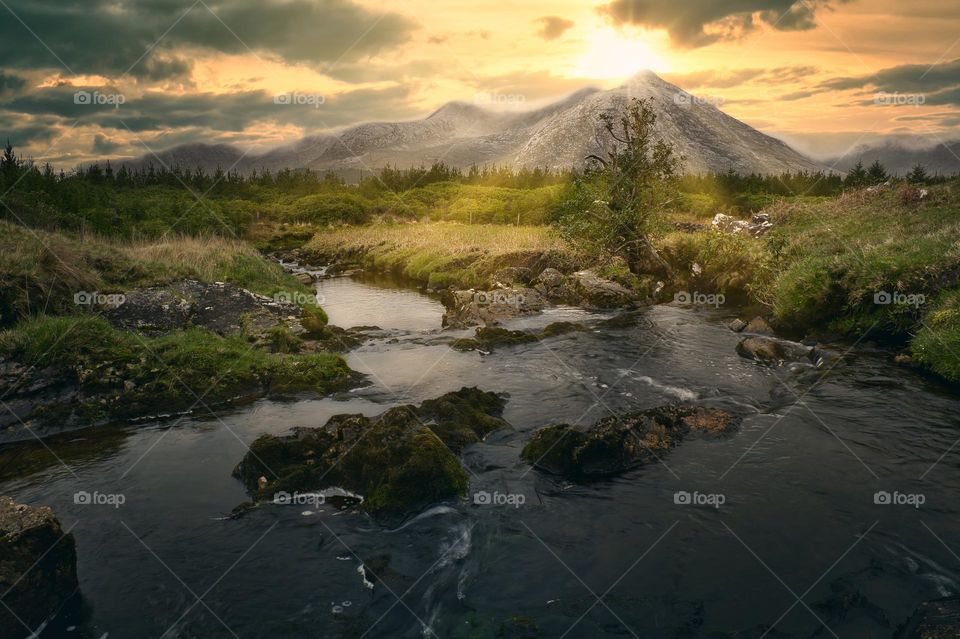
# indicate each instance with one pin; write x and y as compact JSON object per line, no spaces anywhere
{"x":443,"y":253}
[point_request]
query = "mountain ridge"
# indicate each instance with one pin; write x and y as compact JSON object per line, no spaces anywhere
{"x":558,"y":135}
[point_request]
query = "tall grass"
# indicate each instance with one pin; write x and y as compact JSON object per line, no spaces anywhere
{"x":443,"y":253}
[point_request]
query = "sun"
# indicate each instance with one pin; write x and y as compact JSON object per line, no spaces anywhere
{"x":614,"y":54}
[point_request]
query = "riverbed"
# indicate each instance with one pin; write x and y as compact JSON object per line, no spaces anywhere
{"x":778,"y":524}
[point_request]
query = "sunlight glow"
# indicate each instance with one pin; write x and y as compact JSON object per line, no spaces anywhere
{"x":613,"y":54}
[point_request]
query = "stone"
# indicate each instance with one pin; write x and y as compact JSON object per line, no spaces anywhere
{"x":619,"y":443}
{"x":758,"y":326}
{"x":737,"y":325}
{"x":773,"y":351}
{"x":38,"y":566}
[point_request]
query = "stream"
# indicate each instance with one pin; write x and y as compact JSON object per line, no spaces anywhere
{"x":782,"y":526}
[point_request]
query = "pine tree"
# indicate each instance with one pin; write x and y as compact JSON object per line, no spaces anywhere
{"x":918,"y":175}
{"x":876,"y":174}
{"x":857,"y":176}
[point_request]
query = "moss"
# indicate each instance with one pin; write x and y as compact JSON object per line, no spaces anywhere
{"x":123,"y":375}
{"x":314,"y":319}
{"x":399,"y":461}
{"x":937,"y":343}
{"x":282,"y":340}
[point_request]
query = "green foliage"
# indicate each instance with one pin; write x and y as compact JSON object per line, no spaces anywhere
{"x":169,"y":368}
{"x":937,"y":343}
{"x":612,"y":208}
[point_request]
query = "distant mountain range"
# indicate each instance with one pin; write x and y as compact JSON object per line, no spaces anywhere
{"x":899,"y":155}
{"x":556,"y":136}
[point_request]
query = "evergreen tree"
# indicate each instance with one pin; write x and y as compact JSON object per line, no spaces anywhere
{"x":918,"y":175}
{"x":857,"y":176}
{"x":876,"y":174}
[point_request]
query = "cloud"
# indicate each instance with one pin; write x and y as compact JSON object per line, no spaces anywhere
{"x":552,"y":27}
{"x":223,"y":112}
{"x":726,"y":78}
{"x":697,"y":23}
{"x":102,"y":145}
{"x":938,"y":83}
{"x":108,"y":37}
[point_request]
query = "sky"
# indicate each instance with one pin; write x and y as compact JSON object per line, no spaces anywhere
{"x":87,"y":79}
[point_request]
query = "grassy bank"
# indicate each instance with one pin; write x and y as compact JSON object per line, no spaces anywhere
{"x":41,"y":271}
{"x":442,"y":254}
{"x":121,"y":374}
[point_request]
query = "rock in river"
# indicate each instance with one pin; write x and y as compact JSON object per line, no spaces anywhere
{"x":773,"y":351}
{"x":38,"y":566}
{"x":400,"y":460}
{"x":618,"y":443}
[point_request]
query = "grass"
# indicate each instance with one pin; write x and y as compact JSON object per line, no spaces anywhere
{"x":442,"y":254}
{"x":164,"y":371}
{"x":41,"y":271}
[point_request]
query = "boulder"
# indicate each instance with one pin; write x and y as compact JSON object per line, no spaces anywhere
{"x":618,"y":443}
{"x":399,"y":461}
{"x":737,"y":325}
{"x":758,"y":326}
{"x":510,"y":276}
{"x":938,"y":619}
{"x":219,"y":307}
{"x":487,"y":337}
{"x":773,"y":351}
{"x":594,"y":291}
{"x":472,"y":307}
{"x":38,"y":566}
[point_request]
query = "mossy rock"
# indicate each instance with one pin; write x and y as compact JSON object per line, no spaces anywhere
{"x":400,"y":461}
{"x":488,"y":337}
{"x":618,"y":443}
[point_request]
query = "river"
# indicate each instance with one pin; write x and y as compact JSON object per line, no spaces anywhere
{"x":787,"y":530}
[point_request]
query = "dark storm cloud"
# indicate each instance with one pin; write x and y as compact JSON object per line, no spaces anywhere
{"x":108,"y":36}
{"x":938,"y":83}
{"x":907,"y":77}
{"x":552,"y":27}
{"x":696,"y":23}
{"x":10,"y":83}
{"x":229,"y":112}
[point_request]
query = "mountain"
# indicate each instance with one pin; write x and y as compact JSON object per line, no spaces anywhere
{"x":899,"y":155}
{"x":556,"y":136}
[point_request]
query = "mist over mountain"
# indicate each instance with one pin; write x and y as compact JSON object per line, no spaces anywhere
{"x":900,"y":154}
{"x":556,"y":136}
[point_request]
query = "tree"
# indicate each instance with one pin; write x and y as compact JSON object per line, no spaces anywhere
{"x":627,"y":185}
{"x":876,"y":174}
{"x":918,"y":175}
{"x":856,"y":177}
{"x":9,"y":165}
